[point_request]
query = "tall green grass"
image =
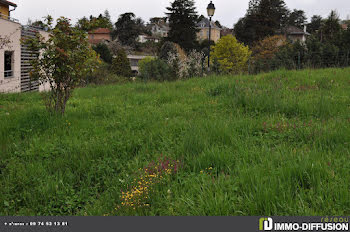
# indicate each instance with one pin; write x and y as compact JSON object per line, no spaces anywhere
{"x":276,"y":144}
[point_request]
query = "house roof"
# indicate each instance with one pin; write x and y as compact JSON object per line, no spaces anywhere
{"x":205,"y":23}
{"x":100,"y":31}
{"x":161,"y":25}
{"x":292,"y":30}
{"x":344,"y":26}
{"x":8,"y":3}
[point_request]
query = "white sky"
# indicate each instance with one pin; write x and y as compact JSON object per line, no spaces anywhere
{"x":227,"y":11}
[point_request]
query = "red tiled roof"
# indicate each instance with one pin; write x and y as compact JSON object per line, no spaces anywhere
{"x":8,"y":3}
{"x":100,"y":31}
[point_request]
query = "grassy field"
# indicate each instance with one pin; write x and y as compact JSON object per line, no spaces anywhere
{"x":271,"y":144}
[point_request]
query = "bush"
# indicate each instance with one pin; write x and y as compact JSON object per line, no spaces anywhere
{"x":168,"y":47}
{"x":155,"y":69}
{"x":121,"y":64}
{"x":231,"y":55}
{"x":66,"y":58}
{"x":104,"y":52}
{"x":103,"y":75}
{"x":186,"y":66}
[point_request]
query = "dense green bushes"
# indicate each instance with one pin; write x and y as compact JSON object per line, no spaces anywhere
{"x":173,"y":64}
{"x":121,"y":64}
{"x":104,"y":52}
{"x":155,"y":69}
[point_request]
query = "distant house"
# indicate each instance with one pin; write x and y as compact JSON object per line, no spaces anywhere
{"x":344,"y":26}
{"x":100,"y":35}
{"x":203,"y":33}
{"x":145,"y":38}
{"x":159,"y":28}
{"x":134,"y":62}
{"x":14,"y":56}
{"x":294,"y":33}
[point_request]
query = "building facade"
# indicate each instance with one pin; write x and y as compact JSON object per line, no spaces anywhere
{"x":134,"y":62}
{"x":14,"y":56}
{"x":5,"y":11}
{"x":203,"y":33}
{"x":294,"y":34}
{"x":159,"y":28}
{"x":100,"y":35}
{"x":10,"y":50}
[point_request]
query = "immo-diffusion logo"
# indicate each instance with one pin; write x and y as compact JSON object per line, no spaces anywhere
{"x":267,"y":224}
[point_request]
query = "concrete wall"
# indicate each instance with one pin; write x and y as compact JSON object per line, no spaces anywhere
{"x":203,"y":34}
{"x":295,"y":38}
{"x":12,"y":31}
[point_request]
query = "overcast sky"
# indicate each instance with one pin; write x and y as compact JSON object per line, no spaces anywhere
{"x":227,"y":11}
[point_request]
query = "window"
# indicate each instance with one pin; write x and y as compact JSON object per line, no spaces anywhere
{"x":134,"y":62}
{"x":8,"y":64}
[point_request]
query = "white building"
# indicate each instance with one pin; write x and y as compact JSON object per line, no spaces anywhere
{"x":14,"y":57}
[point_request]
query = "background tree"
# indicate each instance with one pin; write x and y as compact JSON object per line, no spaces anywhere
{"x":263,"y":18}
{"x":91,"y":23}
{"x":331,"y":28}
{"x":104,"y":52}
{"x":297,"y":18}
{"x":315,"y":24}
{"x":231,"y":55}
{"x":121,"y":64}
{"x":268,"y":47}
{"x":264,"y":51}
{"x":128,"y":28}
{"x":218,"y":24}
{"x":166,"y":49}
{"x":182,"y":21}
{"x":65,"y":60}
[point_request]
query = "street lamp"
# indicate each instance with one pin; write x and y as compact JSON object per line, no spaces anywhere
{"x":211,"y":11}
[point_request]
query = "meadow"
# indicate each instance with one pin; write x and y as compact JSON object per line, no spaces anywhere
{"x":271,"y":144}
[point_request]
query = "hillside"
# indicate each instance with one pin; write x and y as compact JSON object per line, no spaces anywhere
{"x":271,"y":144}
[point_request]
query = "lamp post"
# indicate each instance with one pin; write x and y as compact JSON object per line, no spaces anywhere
{"x":211,"y":11}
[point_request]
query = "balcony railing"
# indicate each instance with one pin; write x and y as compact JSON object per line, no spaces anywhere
{"x":6,"y":17}
{"x":8,"y":74}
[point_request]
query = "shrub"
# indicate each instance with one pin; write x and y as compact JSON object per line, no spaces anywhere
{"x":186,"y":66}
{"x":65,"y":60}
{"x":103,"y":75}
{"x":155,"y":69}
{"x":121,"y":64}
{"x":268,"y":47}
{"x":168,"y":47}
{"x":104,"y":52}
{"x":231,"y":55}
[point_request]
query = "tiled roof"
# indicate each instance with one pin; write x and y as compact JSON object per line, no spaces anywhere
{"x":8,"y":3}
{"x":292,"y":30}
{"x":100,"y":31}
